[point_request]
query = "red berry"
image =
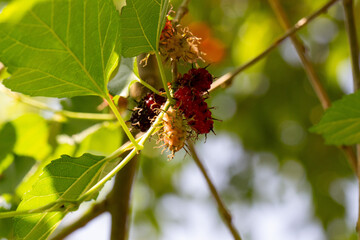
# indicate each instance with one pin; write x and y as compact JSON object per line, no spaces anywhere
{"x":197,"y":78}
{"x":154,"y":101}
{"x":148,"y":108}
{"x":195,"y":109}
{"x":167,"y":31}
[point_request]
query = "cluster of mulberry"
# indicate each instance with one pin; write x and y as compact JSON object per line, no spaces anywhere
{"x":191,"y":102}
{"x":145,"y":113}
{"x":178,"y":43}
{"x":190,"y":114}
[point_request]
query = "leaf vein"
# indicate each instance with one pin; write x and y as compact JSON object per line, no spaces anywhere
{"x":70,"y":52}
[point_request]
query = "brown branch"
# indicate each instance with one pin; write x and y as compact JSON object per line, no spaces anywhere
{"x":354,"y":53}
{"x":310,"y":71}
{"x":96,"y":210}
{"x":182,"y":11}
{"x":299,"y":25}
{"x":225,"y":213}
{"x":121,"y":193}
{"x":350,"y":155}
{"x":174,"y":70}
{"x":119,"y":201}
{"x":354,"y":47}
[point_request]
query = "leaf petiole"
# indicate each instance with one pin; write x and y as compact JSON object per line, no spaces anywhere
{"x":123,"y":124}
{"x":58,"y":206}
{"x":163,"y":77}
{"x":113,"y":172}
{"x":51,"y":207}
{"x":148,"y":86}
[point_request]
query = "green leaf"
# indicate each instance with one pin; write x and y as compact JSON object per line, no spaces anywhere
{"x":340,"y":124}
{"x":31,"y":178}
{"x":5,"y":228}
{"x":142,"y":22}
{"x":7,"y":140}
{"x":123,"y":78}
{"x":15,"y":173}
{"x":3,"y":73}
{"x":32,"y":136}
{"x":8,"y":203}
{"x":16,"y":9}
{"x":63,"y":179}
{"x":103,"y":139}
{"x":5,"y":163}
{"x":61,"y":48}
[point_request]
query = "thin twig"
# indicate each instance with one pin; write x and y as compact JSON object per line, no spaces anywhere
{"x":225,"y":213}
{"x":174,"y":70}
{"x":182,"y":11}
{"x":310,"y":71}
{"x":350,"y":155}
{"x":96,"y":210}
{"x":353,"y":42}
{"x":354,"y":53}
{"x":299,"y":25}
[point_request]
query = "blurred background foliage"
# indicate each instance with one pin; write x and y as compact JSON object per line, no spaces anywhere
{"x":275,"y":176}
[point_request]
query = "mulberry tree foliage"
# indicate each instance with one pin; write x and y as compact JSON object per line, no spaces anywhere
{"x":79,"y":52}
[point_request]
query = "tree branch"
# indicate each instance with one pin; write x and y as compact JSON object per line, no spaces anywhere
{"x":119,"y":201}
{"x":96,"y":210}
{"x":225,"y":213}
{"x":310,"y":72}
{"x":353,"y":42}
{"x":299,"y":25}
{"x":299,"y":46}
{"x":121,"y":193}
{"x":182,"y":11}
{"x":354,"y":53}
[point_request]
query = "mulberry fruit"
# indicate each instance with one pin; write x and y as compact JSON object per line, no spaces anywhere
{"x":148,"y":108}
{"x":195,"y":109}
{"x":179,"y":43}
{"x":174,"y":131}
{"x":197,"y":78}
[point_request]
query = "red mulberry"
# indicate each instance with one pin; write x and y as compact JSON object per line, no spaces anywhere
{"x":144,"y":114}
{"x":197,"y":78}
{"x":195,"y":109}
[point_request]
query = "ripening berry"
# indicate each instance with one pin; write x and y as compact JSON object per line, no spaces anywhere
{"x":195,"y":109}
{"x":168,"y":31}
{"x":154,"y":101}
{"x":178,"y":43}
{"x":145,"y":113}
{"x":197,"y":78}
{"x":174,"y":131}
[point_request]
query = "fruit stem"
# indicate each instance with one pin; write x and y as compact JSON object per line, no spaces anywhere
{"x":123,"y":162}
{"x":123,"y":124}
{"x":149,"y":86}
{"x":163,"y":77}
